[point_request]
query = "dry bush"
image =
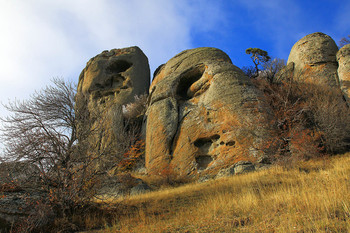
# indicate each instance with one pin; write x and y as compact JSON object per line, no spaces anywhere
{"x":132,"y":156}
{"x":136,"y":108}
{"x":43,"y":132}
{"x":54,"y":146}
{"x":271,"y":68}
{"x":331,"y":116}
{"x":249,"y":71}
{"x":309,"y":119}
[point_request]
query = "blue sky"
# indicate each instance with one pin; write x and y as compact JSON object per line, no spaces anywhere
{"x":42,"y":39}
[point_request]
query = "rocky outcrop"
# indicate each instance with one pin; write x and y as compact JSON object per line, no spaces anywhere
{"x":236,"y":169}
{"x":115,"y":76}
{"x":314,"y":59}
{"x":109,"y":81}
{"x":203,"y":113}
{"x":343,"y":57}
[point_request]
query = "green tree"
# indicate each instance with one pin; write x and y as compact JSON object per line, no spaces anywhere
{"x":258,"y":57}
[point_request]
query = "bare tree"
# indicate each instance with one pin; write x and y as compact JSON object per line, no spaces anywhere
{"x":250,"y":71}
{"x":42,"y":132}
{"x":55,"y":132}
{"x":271,"y":68}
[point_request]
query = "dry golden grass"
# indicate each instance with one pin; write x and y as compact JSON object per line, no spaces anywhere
{"x":313,"y":196}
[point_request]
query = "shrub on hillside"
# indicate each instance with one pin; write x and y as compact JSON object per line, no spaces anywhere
{"x":309,"y":119}
{"x":50,"y":134}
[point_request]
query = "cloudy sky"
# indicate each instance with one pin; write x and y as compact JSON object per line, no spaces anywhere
{"x":43,"y":39}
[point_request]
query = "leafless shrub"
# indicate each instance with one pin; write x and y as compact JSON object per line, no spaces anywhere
{"x":249,"y":71}
{"x":344,"y":41}
{"x":271,"y":68}
{"x":331,"y":117}
{"x":136,"y":108}
{"x":309,"y":119}
{"x":268,"y":72}
{"x":43,"y":132}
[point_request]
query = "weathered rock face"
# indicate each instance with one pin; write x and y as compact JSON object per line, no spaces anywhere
{"x":343,"y":57}
{"x":116,"y":75}
{"x":110,"y":80}
{"x":203,"y":113}
{"x":314,"y":58}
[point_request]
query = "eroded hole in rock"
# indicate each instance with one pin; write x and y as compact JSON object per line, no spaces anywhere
{"x":230,"y":143}
{"x":203,"y":161}
{"x":118,"y":66}
{"x":187,"y":79}
{"x":200,"y":142}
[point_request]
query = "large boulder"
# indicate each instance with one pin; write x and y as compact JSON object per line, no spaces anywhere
{"x":115,"y":76}
{"x":343,"y":57}
{"x":109,"y":81}
{"x":314,"y":59}
{"x":203,"y":113}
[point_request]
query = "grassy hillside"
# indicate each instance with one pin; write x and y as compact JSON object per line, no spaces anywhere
{"x":313,"y":196}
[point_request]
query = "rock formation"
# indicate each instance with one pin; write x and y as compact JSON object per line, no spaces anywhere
{"x":109,"y":80}
{"x":115,"y":76}
{"x":314,"y":59}
{"x":343,"y":57}
{"x":203,"y":113}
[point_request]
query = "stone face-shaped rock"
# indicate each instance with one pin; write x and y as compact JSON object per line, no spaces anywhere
{"x":203,"y":113}
{"x":109,"y":81}
{"x":314,"y":58}
{"x":116,"y":75}
{"x":343,"y":57}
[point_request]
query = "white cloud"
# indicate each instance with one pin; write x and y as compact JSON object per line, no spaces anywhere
{"x":42,"y":39}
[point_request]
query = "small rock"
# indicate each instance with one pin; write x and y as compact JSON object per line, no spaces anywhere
{"x":230,"y":171}
{"x":243,"y":167}
{"x":205,"y":178}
